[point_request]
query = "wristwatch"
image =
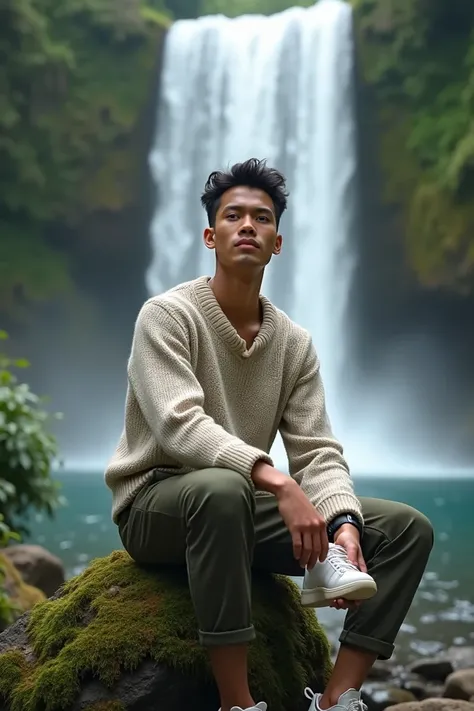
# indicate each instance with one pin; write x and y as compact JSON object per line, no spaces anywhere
{"x":339,"y":521}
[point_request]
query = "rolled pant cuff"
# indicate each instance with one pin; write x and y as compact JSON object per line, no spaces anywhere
{"x":384,"y":650}
{"x":219,"y":639}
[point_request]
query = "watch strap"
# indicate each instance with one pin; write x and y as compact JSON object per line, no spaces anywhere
{"x":339,"y":521}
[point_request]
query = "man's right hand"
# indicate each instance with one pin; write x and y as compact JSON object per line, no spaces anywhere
{"x":306,"y":526}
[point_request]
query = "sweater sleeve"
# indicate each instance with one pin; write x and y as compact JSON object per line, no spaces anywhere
{"x":172,"y":400}
{"x":315,"y":457}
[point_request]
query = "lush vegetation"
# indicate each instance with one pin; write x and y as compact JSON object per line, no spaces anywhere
{"x":8,"y":607}
{"x":28,"y":452}
{"x":242,"y":7}
{"x":419,"y":59}
{"x":74,"y":78}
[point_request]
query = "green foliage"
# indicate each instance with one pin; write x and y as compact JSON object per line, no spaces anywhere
{"x":151,"y":615}
{"x":419,"y":58}
{"x":74,"y":79}
{"x":242,"y":7}
{"x":30,"y":266}
{"x":75,"y":75}
{"x":7,"y":605}
{"x":28,"y":451}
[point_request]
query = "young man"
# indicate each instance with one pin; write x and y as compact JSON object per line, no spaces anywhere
{"x":215,"y":372}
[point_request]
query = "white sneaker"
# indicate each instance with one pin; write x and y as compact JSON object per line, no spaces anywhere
{"x":261,"y":706}
{"x":350,"y":700}
{"x":335,"y":578}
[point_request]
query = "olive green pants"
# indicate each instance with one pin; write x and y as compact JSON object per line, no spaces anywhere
{"x":212,"y":522}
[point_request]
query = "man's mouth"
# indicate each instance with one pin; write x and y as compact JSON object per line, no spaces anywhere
{"x":246,"y":242}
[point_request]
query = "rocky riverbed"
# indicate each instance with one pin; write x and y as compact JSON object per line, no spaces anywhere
{"x":449,"y":676}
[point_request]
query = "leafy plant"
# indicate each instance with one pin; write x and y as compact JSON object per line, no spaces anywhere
{"x":7,"y":607}
{"x":242,"y":7}
{"x":418,"y":58}
{"x":28,"y":451}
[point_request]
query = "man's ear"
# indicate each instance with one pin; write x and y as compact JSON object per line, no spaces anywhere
{"x":278,"y":245}
{"x":210,"y":238}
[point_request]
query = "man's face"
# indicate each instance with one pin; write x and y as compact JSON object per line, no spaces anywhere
{"x":245,"y":232}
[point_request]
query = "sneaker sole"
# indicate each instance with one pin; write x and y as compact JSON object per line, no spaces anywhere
{"x":322,"y":597}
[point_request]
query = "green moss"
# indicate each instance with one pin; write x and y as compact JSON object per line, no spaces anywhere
{"x":107,"y":706}
{"x":114,"y":615}
{"x":14,"y":669}
{"x":419,"y":62}
{"x":443,"y":252}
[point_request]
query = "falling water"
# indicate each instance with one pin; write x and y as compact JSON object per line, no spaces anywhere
{"x":279,"y":88}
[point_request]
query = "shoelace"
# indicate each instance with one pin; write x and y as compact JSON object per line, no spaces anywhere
{"x":357,"y":705}
{"x":337,"y":557}
{"x":354,"y":705}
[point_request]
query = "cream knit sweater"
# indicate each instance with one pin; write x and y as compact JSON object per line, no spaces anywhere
{"x":198,"y":398}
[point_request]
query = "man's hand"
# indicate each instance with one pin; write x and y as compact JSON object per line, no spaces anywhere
{"x":348,"y":537}
{"x":306,"y":526}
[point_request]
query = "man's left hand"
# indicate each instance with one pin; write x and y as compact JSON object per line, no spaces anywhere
{"x":348,"y":537}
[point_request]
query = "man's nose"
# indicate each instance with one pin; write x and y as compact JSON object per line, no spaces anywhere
{"x":247,"y":227}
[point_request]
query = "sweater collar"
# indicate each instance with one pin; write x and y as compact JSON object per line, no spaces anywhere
{"x":223,"y":327}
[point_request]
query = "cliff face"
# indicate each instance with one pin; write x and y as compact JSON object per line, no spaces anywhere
{"x":416,"y":61}
{"x":78,"y":78}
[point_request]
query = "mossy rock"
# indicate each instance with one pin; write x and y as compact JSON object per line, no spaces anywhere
{"x":126,"y":638}
{"x":22,"y":596}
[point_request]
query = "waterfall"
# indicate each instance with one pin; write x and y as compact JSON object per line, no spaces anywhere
{"x":278,"y":88}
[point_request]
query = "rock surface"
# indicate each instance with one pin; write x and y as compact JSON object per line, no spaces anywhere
{"x":460,"y":685}
{"x":423,"y":680}
{"x":461,"y":657}
{"x":122,"y":638}
{"x":433,"y":669}
{"x":434,"y":705}
{"x":23,"y":596}
{"x":38,"y":567}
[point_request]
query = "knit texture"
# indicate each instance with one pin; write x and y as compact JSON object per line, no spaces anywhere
{"x":197,"y":397}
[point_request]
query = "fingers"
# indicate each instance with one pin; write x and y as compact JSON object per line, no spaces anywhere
{"x":297,"y":544}
{"x":361,"y":561}
{"x":352,"y":551}
{"x":342,"y":604}
{"x":318,"y":545}
{"x":307,"y":552}
{"x":324,"y":543}
{"x":316,"y":554}
{"x":309,"y":544}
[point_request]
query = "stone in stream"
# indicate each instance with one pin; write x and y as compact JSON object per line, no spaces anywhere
{"x":434,"y":705}
{"x":460,"y":685}
{"x":436,"y":669}
{"x":37,"y":566}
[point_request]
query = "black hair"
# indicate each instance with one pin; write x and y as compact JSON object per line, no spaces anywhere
{"x":253,"y":173}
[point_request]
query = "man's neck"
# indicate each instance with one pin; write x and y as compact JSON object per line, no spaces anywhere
{"x":239,"y":298}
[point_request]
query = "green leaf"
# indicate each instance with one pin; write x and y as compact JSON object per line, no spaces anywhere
{"x":21,"y":363}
